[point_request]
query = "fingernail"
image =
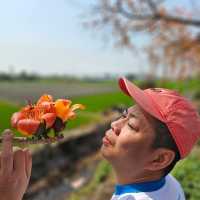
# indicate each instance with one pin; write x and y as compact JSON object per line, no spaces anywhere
{"x":7,"y":134}
{"x":25,"y":149}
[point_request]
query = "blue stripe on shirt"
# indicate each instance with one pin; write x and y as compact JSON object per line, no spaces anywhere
{"x":139,"y":187}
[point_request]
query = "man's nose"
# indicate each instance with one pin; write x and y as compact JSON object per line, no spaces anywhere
{"x":116,"y":127}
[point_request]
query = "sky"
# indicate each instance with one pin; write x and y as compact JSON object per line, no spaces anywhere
{"x":48,"y":37}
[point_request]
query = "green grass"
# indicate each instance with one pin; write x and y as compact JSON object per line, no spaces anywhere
{"x":95,"y":105}
{"x":82,"y":119}
{"x":183,"y":86}
{"x":6,"y":110}
{"x":101,"y":102}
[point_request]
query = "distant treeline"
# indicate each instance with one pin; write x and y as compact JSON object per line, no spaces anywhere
{"x":4,"y":76}
{"x":20,"y":76}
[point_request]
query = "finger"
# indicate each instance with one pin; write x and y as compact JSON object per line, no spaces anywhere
{"x":28,"y":162}
{"x":7,"y":141}
{"x":19,"y":162}
{"x":7,"y":153}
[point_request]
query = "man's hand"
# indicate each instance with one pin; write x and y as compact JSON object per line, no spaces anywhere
{"x":15,"y":170}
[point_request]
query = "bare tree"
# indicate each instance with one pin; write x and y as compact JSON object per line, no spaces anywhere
{"x":173,"y":31}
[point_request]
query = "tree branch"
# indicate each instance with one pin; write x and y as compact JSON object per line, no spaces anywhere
{"x":156,"y":16}
{"x":24,"y":140}
{"x":180,"y":20}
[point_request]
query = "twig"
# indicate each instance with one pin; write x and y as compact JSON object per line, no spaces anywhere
{"x":23,"y":140}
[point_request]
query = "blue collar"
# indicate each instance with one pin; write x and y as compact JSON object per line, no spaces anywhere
{"x":139,"y":187}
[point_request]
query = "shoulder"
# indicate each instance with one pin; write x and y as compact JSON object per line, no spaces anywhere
{"x":171,"y":190}
{"x":171,"y":180}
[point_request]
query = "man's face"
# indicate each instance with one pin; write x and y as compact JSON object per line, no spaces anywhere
{"x":128,"y":142}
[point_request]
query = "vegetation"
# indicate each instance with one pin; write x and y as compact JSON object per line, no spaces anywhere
{"x":188,"y":174}
{"x":101,"y":102}
{"x":6,"y":111}
{"x":183,"y":86}
{"x":102,"y":172}
{"x":95,"y":105}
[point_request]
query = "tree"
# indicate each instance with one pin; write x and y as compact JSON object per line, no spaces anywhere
{"x":173,"y":31}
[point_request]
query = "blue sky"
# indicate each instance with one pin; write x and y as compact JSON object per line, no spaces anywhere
{"x":47,"y":36}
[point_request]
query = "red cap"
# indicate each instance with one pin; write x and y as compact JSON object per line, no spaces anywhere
{"x":169,"y":107}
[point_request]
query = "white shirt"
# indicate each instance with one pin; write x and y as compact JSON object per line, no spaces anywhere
{"x":167,"y":188}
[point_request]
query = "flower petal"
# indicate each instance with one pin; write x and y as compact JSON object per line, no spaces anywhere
{"x":15,"y":118}
{"x":64,"y":102}
{"x":44,"y":98}
{"x":28,"y":126}
{"x":47,"y":107}
{"x":49,"y":119}
{"x":62,"y":107}
{"x":77,"y":106}
{"x":71,"y":115}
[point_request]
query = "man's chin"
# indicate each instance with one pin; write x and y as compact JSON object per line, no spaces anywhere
{"x":106,"y":153}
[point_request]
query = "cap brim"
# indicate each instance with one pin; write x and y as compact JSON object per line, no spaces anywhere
{"x":142,"y":98}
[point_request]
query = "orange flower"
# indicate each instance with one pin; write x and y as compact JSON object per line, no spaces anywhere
{"x":64,"y":111}
{"x":27,"y":121}
{"x":46,"y":114}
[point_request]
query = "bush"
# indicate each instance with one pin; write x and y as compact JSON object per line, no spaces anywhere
{"x":188,"y":174}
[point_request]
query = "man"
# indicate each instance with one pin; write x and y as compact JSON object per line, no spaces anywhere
{"x":15,"y":170}
{"x":145,"y":143}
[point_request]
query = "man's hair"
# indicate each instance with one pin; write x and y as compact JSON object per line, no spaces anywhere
{"x":163,"y":139}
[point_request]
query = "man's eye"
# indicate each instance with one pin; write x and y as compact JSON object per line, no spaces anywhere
{"x":131,"y":126}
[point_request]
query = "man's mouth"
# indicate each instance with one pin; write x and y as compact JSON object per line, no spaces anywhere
{"x":106,"y":141}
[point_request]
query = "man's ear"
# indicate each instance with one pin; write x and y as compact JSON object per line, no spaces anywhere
{"x":160,"y":159}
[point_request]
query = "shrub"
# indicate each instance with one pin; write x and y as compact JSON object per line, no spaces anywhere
{"x":188,"y":174}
